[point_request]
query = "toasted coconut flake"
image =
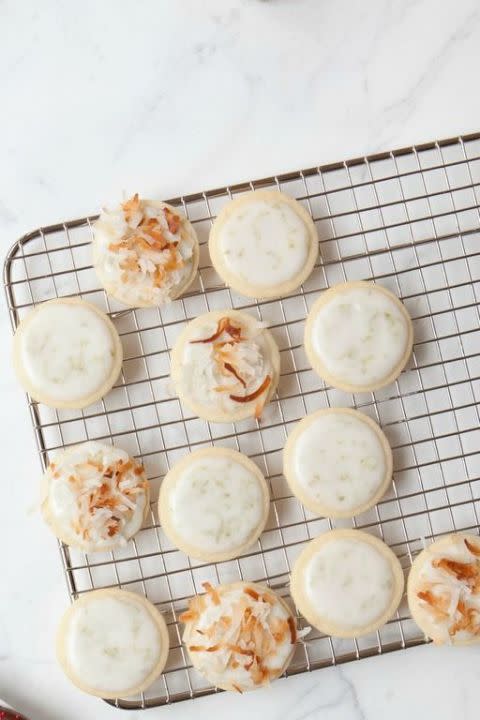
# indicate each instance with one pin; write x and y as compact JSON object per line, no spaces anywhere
{"x":293,"y":629}
{"x":472,"y":548}
{"x":223,"y":325}
{"x":254,"y":395}
{"x":212,"y":592}
{"x":188,"y":616}
{"x":237,"y":688}
{"x":465,"y":572}
{"x":173,"y":220}
{"x":253,"y":593}
{"x":228,"y":366}
{"x":130,"y":207}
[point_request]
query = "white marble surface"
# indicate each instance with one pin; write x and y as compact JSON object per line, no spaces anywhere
{"x":171,"y":96}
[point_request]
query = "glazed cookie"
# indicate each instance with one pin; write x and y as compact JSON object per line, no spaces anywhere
{"x":337,"y":462}
{"x":67,"y":353}
{"x":347,"y":583}
{"x":94,"y":496}
{"x":112,"y":643}
{"x":263,"y":244}
{"x":144,"y":252}
{"x":240,"y":636}
{"x":225,"y":366}
{"x":358,"y":336}
{"x":214,"y":504}
{"x":444,"y":590}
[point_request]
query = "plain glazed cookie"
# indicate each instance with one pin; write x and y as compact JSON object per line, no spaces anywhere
{"x":240,"y":636}
{"x":112,"y":643}
{"x":263,"y":244}
{"x":358,"y":336}
{"x":225,"y":366}
{"x":214,"y":504}
{"x":94,"y":496}
{"x":144,"y":252}
{"x":347,"y":583}
{"x":444,"y":590}
{"x":67,"y":353}
{"x":337,"y":462}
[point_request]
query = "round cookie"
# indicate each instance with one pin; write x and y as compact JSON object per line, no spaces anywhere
{"x":443,"y":590}
{"x":145,"y":252}
{"x":67,"y":353}
{"x":94,"y":496}
{"x":347,"y":583}
{"x":225,"y":366}
{"x":112,"y":643}
{"x":214,"y":504}
{"x":264,"y":244}
{"x":338,"y":462}
{"x":240,"y":636}
{"x":358,"y":336}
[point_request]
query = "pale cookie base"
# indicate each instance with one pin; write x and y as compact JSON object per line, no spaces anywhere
{"x":419,"y":614}
{"x":172,"y":477}
{"x":116,"y":289}
{"x":299,"y":491}
{"x":72,"y":540}
{"x":245,"y":410}
{"x":62,"y":633}
{"x":190,"y":628}
{"x":310,"y":612}
{"x":318,"y":365}
{"x":79,"y":403}
{"x":237,"y":283}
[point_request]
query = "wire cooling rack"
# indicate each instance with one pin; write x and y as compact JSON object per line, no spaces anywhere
{"x":407,"y":219}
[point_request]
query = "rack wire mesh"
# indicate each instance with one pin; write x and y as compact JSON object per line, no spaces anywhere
{"x":408,"y":219}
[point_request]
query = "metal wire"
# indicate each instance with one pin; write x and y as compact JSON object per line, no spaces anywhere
{"x":408,"y":219}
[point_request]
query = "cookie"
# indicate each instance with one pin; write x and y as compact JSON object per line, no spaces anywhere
{"x":225,"y":366}
{"x":358,"y":336}
{"x":443,"y":590}
{"x":95,"y":497}
{"x":337,"y":462}
{"x":67,"y":353}
{"x":347,"y":583}
{"x":145,"y":252}
{"x":214,"y":504}
{"x":112,"y":643}
{"x":240,"y":636}
{"x":264,"y":244}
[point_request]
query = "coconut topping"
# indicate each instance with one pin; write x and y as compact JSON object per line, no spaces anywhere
{"x":449,"y":590}
{"x":242,"y":636}
{"x":236,"y":364}
{"x":96,"y":495}
{"x":143,"y":244}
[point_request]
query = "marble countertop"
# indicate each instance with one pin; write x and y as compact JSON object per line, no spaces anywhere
{"x":169,"y":97}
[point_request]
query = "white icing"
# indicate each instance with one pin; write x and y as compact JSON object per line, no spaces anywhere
{"x":360,"y":335}
{"x":442,"y":583}
{"x":112,"y":228}
{"x":67,"y":351}
{"x":71,"y":481}
{"x":264,"y":243}
{"x":112,"y":644}
{"x":349,"y":583}
{"x":339,"y":461}
{"x":216,"y":504}
{"x":201,"y":374}
{"x":215,"y":664}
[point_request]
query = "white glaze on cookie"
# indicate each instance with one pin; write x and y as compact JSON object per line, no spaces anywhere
{"x":358,"y":336}
{"x":67,"y":353}
{"x":112,"y":643}
{"x":214,"y":503}
{"x":338,"y":462}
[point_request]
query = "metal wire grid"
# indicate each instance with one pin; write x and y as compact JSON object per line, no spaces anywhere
{"x":407,"y":219}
